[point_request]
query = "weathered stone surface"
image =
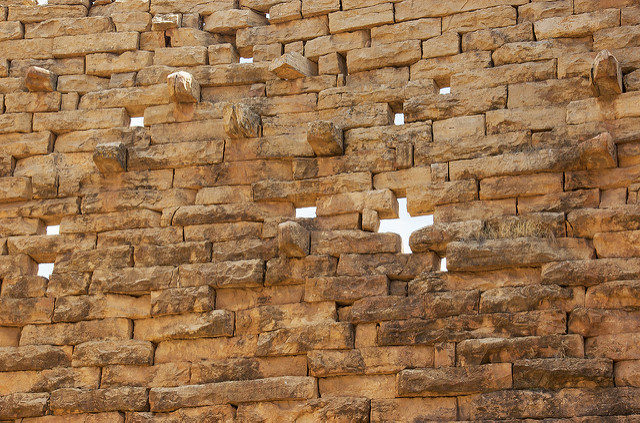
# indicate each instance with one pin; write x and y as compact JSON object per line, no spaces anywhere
{"x":454,"y":380}
{"x":33,"y":357}
{"x":110,"y":157}
{"x":497,"y":350}
{"x":293,"y":239}
{"x":183,"y":88}
{"x":558,"y":373}
{"x":40,"y":79}
{"x":71,"y":400}
{"x":102,"y":353}
{"x":606,"y":74}
{"x":491,"y":253}
{"x":240,"y":121}
{"x":269,"y":389}
{"x":293,"y":65}
{"x":305,"y":338}
{"x":325,"y":138}
{"x":185,"y":326}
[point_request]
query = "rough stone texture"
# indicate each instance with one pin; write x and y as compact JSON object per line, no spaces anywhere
{"x":110,"y":157}
{"x":183,"y":88}
{"x":187,"y":285}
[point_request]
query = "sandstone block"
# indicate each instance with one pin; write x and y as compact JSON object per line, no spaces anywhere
{"x":275,"y":317}
{"x":325,"y":138}
{"x":617,"y":244}
{"x":497,"y":350}
{"x":103,"y":353}
{"x":228,"y":21}
{"x":395,"y":54}
{"x":76,"y":333}
{"x":268,"y":389}
{"x":458,"y":328}
{"x":72,"y":400}
{"x":558,"y":373}
{"x":185,"y":326}
{"x":366,"y":17}
{"x":293,"y":239}
{"x":509,"y":252}
{"x":161,"y":22}
{"x":370,"y":220}
{"x":15,"y":189}
{"x":183,"y":88}
{"x":33,"y":357}
{"x":21,"y":405}
{"x":240,"y":121}
{"x":293,"y":65}
{"x":302,"y":339}
{"x":423,"y":200}
{"x":413,"y":409}
{"x":182,"y":300}
{"x":454,"y":380}
{"x":40,"y":79}
{"x":110,"y":157}
{"x":112,"y":42}
{"x":606,"y":75}
{"x":344,"y":289}
{"x":578,"y":25}
{"x":79,"y":120}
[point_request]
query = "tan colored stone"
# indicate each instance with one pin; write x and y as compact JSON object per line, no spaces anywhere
{"x":454,"y":380}
{"x":293,"y":65}
{"x":606,"y":74}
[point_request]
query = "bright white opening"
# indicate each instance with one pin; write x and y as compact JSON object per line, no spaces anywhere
{"x":43,"y":2}
{"x":137,"y":121}
{"x":443,"y":264}
{"x":405,"y":224}
{"x":45,"y":269}
{"x":53,"y":230}
{"x":445,"y":90}
{"x":246,"y":60}
{"x":306,"y":212}
{"x":267,"y":16}
{"x":399,"y":119}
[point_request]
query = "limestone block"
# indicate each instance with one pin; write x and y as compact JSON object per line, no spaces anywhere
{"x":40,"y":79}
{"x":293,"y":239}
{"x":606,"y":75}
{"x":325,"y":138}
{"x":110,"y":157}
{"x":183,"y":88}
{"x":293,"y":65}
{"x":240,"y":121}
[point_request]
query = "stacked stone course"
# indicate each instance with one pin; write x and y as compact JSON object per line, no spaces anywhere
{"x":184,"y":288}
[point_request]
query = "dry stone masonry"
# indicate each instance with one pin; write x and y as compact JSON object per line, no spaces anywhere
{"x":184,"y":287}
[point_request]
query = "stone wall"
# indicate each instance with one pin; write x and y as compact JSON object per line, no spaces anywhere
{"x":186,"y":290}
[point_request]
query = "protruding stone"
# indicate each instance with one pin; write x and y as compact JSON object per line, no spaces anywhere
{"x":325,"y":138}
{"x":293,"y":65}
{"x":370,"y":220}
{"x":110,"y":157}
{"x":40,"y":79}
{"x":293,"y":239}
{"x":240,"y":121}
{"x":183,"y":88}
{"x":606,"y":75}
